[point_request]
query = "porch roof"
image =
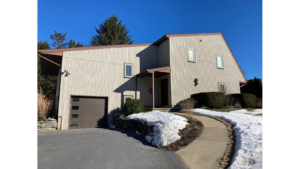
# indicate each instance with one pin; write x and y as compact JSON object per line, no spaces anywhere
{"x":157,"y":72}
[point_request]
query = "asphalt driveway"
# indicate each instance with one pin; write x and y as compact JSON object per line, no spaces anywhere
{"x":101,"y":149}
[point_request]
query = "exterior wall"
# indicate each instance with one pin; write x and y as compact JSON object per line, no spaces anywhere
{"x":100,"y":72}
{"x":164,"y":54}
{"x":205,"y":68}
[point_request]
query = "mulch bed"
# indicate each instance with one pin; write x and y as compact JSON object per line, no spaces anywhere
{"x":188,"y":135}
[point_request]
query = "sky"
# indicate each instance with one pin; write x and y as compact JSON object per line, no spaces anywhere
{"x":240,"y":21}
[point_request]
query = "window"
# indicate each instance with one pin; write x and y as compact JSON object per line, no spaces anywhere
{"x":222,"y":87}
{"x":128,"y":70}
{"x":74,"y":124}
{"x":75,"y":107}
{"x":75,"y":99}
{"x":126,"y":98}
{"x":191,"y":55}
{"x":74,"y":116}
{"x":220,"y":62}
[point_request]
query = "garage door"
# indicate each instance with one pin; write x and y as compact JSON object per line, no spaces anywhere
{"x":88,"y":112}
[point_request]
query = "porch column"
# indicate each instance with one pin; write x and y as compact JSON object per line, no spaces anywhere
{"x":135,"y":87}
{"x":153,"y":101}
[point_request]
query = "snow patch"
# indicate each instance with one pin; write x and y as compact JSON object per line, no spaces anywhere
{"x":248,"y":131}
{"x":166,"y":126}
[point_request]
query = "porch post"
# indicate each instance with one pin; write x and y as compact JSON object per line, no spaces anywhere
{"x":153,"y":101}
{"x":135,"y":87}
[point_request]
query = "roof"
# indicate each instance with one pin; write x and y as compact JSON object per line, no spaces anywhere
{"x":157,"y":72}
{"x":59,"y":52}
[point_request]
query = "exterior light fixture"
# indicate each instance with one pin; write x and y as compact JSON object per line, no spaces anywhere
{"x":196,"y":81}
{"x":66,"y":73}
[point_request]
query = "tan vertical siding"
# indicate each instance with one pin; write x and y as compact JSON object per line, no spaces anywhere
{"x":205,"y":68}
{"x":164,"y":54}
{"x":100,"y":72}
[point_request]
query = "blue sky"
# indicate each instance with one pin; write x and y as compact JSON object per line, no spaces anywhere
{"x":240,"y":21}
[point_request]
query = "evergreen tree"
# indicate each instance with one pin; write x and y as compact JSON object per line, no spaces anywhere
{"x":111,"y":32}
{"x":254,"y":86}
{"x":58,"y":39}
{"x":45,"y":82}
{"x":72,"y":44}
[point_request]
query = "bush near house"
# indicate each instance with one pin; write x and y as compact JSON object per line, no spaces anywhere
{"x":210,"y":99}
{"x":247,"y":100}
{"x":259,"y":102}
{"x":132,"y":107}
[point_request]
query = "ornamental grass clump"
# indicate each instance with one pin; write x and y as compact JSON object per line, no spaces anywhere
{"x":44,"y":105}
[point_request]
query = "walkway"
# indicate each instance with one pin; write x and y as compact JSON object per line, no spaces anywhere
{"x":208,"y":149}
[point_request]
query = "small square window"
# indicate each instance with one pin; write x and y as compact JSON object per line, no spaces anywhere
{"x":74,"y":124}
{"x":75,"y":99}
{"x":128,"y":70}
{"x":74,"y":116}
{"x":75,"y":107}
{"x":220,"y":62}
{"x":126,"y":98}
{"x":191,"y":55}
{"x":222,"y":87}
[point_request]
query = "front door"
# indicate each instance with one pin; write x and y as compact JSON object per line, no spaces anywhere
{"x":164,"y":92}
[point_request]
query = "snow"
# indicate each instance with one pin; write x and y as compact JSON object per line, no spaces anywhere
{"x":248,"y":131}
{"x":166,"y":126}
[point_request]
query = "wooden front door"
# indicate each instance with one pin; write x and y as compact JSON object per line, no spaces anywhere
{"x":164,"y":92}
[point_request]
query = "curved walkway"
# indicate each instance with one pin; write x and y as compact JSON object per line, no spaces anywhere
{"x":208,"y":149}
{"x":101,"y":148}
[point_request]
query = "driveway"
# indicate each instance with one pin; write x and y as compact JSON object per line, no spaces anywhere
{"x":101,"y":149}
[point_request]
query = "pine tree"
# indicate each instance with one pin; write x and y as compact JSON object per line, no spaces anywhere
{"x":72,"y":44}
{"x":45,"y":82}
{"x":58,"y":39}
{"x":111,"y":32}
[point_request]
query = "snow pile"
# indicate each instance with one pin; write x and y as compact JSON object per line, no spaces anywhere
{"x":244,"y":111}
{"x":166,"y":126}
{"x":248,"y":131}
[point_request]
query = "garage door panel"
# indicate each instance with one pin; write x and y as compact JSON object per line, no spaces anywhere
{"x":88,"y":112}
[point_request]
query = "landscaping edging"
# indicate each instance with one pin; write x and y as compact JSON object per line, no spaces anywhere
{"x":46,"y":126}
{"x":226,"y":160}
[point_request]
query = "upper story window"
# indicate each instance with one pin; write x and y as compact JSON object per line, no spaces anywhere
{"x":220,"y":61}
{"x":128,"y":70}
{"x":191,"y":57}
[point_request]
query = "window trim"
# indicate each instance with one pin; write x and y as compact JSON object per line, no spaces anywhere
{"x":219,"y":87}
{"x":126,"y":96}
{"x":221,"y":61}
{"x":193,"y":61}
{"x":125,"y":70}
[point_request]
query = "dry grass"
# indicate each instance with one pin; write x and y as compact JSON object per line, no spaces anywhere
{"x":45,"y":105}
{"x":187,"y":105}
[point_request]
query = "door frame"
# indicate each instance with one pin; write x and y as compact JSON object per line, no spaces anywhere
{"x":70,"y":98}
{"x":167,"y":91}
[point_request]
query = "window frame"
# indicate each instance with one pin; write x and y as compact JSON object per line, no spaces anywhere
{"x":193,"y":61}
{"x":125,"y":64}
{"x":127,"y":96}
{"x":221,"y":61}
{"x":219,"y":86}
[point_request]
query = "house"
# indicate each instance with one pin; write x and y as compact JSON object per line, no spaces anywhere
{"x":93,"y":82}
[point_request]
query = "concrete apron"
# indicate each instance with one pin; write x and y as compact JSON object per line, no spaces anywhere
{"x":208,"y":149}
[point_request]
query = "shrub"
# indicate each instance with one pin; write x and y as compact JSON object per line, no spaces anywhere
{"x":44,"y":105}
{"x":247,"y":100}
{"x":132,"y":106}
{"x":259,"y":102}
{"x":210,"y":99}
